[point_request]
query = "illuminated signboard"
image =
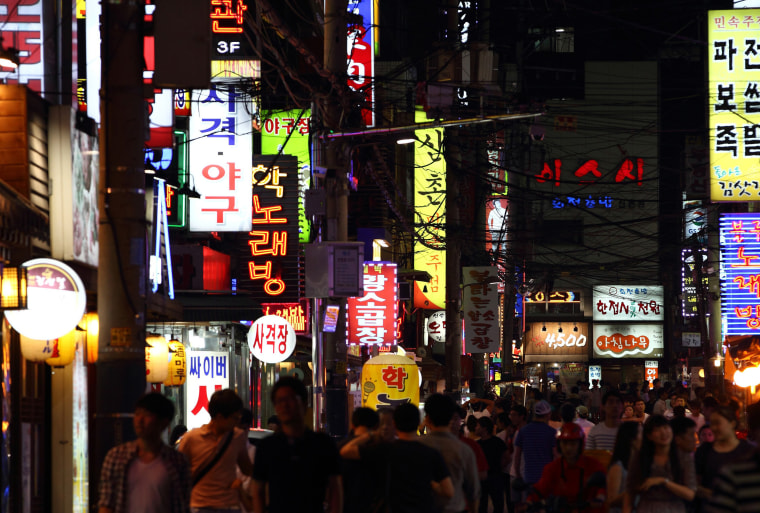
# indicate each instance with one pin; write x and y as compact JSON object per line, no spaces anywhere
{"x":182,"y":102}
{"x":371,"y":318}
{"x":555,"y":296}
{"x":271,"y":339}
{"x":268,"y":253}
{"x":632,"y":303}
{"x":734,"y":105}
{"x":228,"y":29}
{"x":548,"y":340}
{"x":22,"y":29}
{"x":651,"y":372}
{"x":630,"y":170}
{"x":297,"y":314}
{"x":161,"y":256}
{"x":480,"y":305}
{"x":589,"y":201}
{"x":637,"y":340}
{"x":287,"y":132}
{"x":208,"y":372}
{"x":221,"y":147}
{"x":176,"y":204}
{"x":430,"y":216}
{"x":689,"y":275}
{"x":361,"y":55}
{"x":436,"y":326}
{"x":496,"y":224}
{"x":740,"y":273}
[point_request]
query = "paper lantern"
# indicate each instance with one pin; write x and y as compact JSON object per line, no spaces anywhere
{"x":91,"y":325}
{"x":63,"y":349}
{"x":177,"y":364}
{"x":13,"y":288}
{"x":156,"y":360}
{"x":390,"y":380}
{"x":35,"y":350}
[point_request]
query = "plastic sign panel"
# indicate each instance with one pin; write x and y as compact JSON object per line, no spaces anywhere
{"x":631,"y":303}
{"x":480,"y":305}
{"x":56,"y":301}
{"x":221,"y":149}
{"x":389,"y":380}
{"x":177,"y":364}
{"x":690,"y":260}
{"x":551,"y":339}
{"x":734,"y":105}
{"x":594,"y":373}
{"x":371,"y":318}
{"x":361,"y":55}
{"x":740,"y":273}
{"x":436,"y":326}
{"x":23,"y":30}
{"x":271,"y":339}
{"x":209,"y":372}
{"x":628,"y":340}
{"x":228,"y":29}
{"x":297,"y":314}
{"x":430,"y":216}
{"x":651,"y":372}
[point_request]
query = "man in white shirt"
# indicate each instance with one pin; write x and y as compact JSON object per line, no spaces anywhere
{"x":602,"y":436}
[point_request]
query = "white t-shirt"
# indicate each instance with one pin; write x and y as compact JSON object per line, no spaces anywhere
{"x":147,"y":487}
{"x":602,"y":437}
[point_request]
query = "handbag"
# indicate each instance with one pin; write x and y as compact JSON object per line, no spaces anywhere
{"x":203,"y":471}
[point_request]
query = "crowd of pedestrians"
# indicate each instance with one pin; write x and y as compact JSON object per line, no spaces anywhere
{"x":594,"y":449}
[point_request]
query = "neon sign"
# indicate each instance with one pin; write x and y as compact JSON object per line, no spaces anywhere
{"x":162,"y":228}
{"x":297,"y":314}
{"x":740,"y":273}
{"x":227,"y":19}
{"x":631,"y":170}
{"x":579,"y":202}
{"x":371,"y":318}
{"x":361,"y":56}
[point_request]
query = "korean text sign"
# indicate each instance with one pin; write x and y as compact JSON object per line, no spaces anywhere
{"x":628,"y":340}
{"x":361,"y":55}
{"x":220,"y":159}
{"x":372,"y":317}
{"x":430,"y":214}
{"x":390,"y":380}
{"x":208,"y":371}
{"x":734,"y":104}
{"x":632,"y":303}
{"x":740,"y":273}
{"x":271,"y":339}
{"x":480,"y":305}
{"x":23,"y":30}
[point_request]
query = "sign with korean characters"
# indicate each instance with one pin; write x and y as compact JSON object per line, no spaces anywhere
{"x":271,"y":339}
{"x":651,"y":372}
{"x":436,"y":326}
{"x":228,"y":29}
{"x":734,"y":104}
{"x":632,"y":303}
{"x":220,"y":159}
{"x":23,"y":29}
{"x":371,"y":318}
{"x":635,"y":340}
{"x":268,"y":253}
{"x":361,"y":55}
{"x":594,"y":373}
{"x":480,"y":306}
{"x":208,"y":372}
{"x":740,"y":273}
{"x":430,"y":216}
{"x":389,"y":380}
{"x":545,"y":341}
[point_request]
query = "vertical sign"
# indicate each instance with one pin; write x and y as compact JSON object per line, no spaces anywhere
{"x":594,"y":373}
{"x":22,"y":29}
{"x":480,"y":304}
{"x":287,"y":133}
{"x":371,"y":318}
{"x":176,"y":204}
{"x":220,"y":159}
{"x":740,"y":273}
{"x":651,"y":372}
{"x":430,"y":216}
{"x":734,"y":105}
{"x":208,"y":372}
{"x":228,"y":30}
{"x":361,"y":56}
{"x":268,"y":253}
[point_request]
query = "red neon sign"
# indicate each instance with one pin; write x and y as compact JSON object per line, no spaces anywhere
{"x":588,"y":172}
{"x":371,"y":318}
{"x":297,"y":314}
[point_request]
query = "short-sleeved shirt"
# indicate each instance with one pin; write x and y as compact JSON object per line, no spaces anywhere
{"x":537,"y":441}
{"x":297,"y":470}
{"x":411,"y":466}
{"x":601,"y":437}
{"x":460,"y":460}
{"x":494,"y":449}
{"x":708,"y":461}
{"x":214,"y":490}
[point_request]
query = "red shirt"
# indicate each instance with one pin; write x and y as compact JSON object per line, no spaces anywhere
{"x":559,"y":479}
{"x":480,"y":456}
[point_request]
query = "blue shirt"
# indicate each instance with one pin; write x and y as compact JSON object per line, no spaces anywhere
{"x":537,"y":441}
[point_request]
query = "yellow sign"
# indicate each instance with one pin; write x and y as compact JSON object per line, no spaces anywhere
{"x":430,"y":215}
{"x":734,"y":104}
{"x":389,"y":380}
{"x":177,"y":364}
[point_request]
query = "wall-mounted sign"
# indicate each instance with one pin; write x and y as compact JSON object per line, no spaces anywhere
{"x":589,"y":201}
{"x":740,"y":273}
{"x":23,"y":29}
{"x":496,"y":224}
{"x":547,"y":341}
{"x":636,"y":340}
{"x":734,"y":105}
{"x":220,"y":159}
{"x":480,"y":306}
{"x":271,"y":339}
{"x":208,"y":372}
{"x":632,"y":303}
{"x":228,"y":29}
{"x":160,"y":261}
{"x":56,"y":301}
{"x":651,"y":372}
{"x":691,"y":339}
{"x":330,"y":322}
{"x":691,"y":259}
{"x":297,"y":314}
{"x":594,"y":373}
{"x":268,"y":253}
{"x":630,"y":170}
{"x":554,"y":296}
{"x":430,"y":216}
{"x":361,"y":55}
{"x":371,"y":318}
{"x":436,"y":326}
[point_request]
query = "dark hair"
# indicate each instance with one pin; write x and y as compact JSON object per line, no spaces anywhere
{"x":246,"y":417}
{"x":365,"y":417}
{"x":645,"y":456}
{"x":156,"y":404}
{"x":406,"y":417}
{"x":471,"y":423}
{"x":177,"y":432}
{"x":440,"y":409}
{"x":520,"y":410}
{"x":567,"y":412}
{"x":679,"y":411}
{"x":710,"y":402}
{"x":486,"y":423}
{"x":680,"y":425}
{"x":274,"y":419}
{"x":503,"y":417}
{"x":728,"y":412}
{"x":295,"y":384}
{"x":225,"y":403}
{"x":627,"y":433}
{"x":611,"y":393}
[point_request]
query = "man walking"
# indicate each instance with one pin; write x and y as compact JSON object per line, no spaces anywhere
{"x":535,"y":445}
{"x":213,"y":450}
{"x":301,"y":468}
{"x":146,"y":475}
{"x":602,"y":436}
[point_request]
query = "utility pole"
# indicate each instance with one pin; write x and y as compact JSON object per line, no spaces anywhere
{"x":453,"y":343}
{"x":122,"y":282}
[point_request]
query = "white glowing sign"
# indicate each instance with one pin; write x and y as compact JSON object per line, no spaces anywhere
{"x":161,"y":228}
{"x":271,"y":339}
{"x":633,"y":340}
{"x":208,"y":371}
{"x":632,"y":303}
